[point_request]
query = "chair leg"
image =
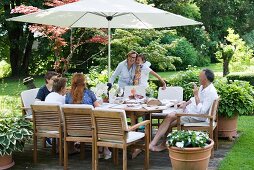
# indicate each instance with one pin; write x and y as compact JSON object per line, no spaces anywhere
{"x":82,"y":150}
{"x":124,"y":157}
{"x":147,"y":141}
{"x":53,"y":146}
{"x":216,"y":137}
{"x":35,"y":149}
{"x":115,"y":156}
{"x":93,"y":157}
{"x":65,"y":155}
{"x":60,"y":150}
{"x":96,"y":157}
{"x":44,"y":142}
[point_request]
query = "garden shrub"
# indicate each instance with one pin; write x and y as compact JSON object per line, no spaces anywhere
{"x":185,"y":80}
{"x":5,"y":69}
{"x":249,"y":77}
{"x":164,"y":49}
{"x":185,"y":50}
{"x":236,"y":98}
{"x":95,"y":77}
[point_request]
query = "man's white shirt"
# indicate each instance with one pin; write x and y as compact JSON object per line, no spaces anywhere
{"x":207,"y":97}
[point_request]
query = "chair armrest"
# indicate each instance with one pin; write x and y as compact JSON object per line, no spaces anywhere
{"x":143,"y":123}
{"x":25,"y":108}
{"x":194,"y":115}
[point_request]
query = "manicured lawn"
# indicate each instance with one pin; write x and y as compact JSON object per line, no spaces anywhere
{"x":13,"y":86}
{"x":241,"y":156}
{"x":10,"y":89}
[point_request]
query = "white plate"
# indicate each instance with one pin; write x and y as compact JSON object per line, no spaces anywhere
{"x":133,"y":105}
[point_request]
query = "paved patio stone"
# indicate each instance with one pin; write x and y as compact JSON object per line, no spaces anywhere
{"x":158,"y":160}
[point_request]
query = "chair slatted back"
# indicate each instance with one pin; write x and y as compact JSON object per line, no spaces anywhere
{"x":110,"y":124}
{"x":46,"y":117}
{"x":171,"y":93}
{"x":214,"y":110}
{"x":77,"y":120}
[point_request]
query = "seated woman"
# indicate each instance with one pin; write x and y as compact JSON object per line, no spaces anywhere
{"x":79,"y":94}
{"x":58,"y":91}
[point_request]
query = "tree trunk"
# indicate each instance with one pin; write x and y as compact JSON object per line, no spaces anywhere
{"x":27,"y":54}
{"x":225,"y":67}
{"x":14,"y":30}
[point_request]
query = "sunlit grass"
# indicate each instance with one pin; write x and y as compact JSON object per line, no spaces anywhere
{"x":242,"y":153}
{"x":217,"y":68}
{"x":10,"y":89}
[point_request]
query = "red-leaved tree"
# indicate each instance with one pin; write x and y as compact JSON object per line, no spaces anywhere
{"x":55,"y":34}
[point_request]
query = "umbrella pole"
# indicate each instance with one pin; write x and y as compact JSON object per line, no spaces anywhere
{"x":109,"y":49}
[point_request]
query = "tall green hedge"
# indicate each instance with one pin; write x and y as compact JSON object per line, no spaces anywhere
{"x":249,"y":77}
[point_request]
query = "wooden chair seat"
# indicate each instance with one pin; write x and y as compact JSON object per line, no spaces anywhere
{"x":131,"y":137}
{"x":200,"y":124}
{"x":211,"y":127}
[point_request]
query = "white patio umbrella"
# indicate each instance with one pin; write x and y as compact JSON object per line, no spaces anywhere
{"x":106,"y":14}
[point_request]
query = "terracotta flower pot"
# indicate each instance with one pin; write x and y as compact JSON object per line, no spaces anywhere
{"x":105,"y":100}
{"x":196,"y":158}
{"x":227,"y":127}
{"x":6,"y":162}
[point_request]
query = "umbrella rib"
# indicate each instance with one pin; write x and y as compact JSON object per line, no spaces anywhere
{"x":140,"y":20}
{"x":97,"y":13}
{"x":78,"y":19}
{"x":120,"y":14}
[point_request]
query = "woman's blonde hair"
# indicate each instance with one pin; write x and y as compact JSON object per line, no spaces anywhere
{"x":132,"y":52}
{"x":78,"y":85}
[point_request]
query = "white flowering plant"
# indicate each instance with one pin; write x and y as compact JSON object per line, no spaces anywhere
{"x":114,"y":89}
{"x":188,"y":139}
{"x":101,"y":90}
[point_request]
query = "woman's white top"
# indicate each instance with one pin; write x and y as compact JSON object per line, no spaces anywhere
{"x":145,"y":70}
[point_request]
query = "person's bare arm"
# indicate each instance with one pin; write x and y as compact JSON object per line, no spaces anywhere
{"x":183,"y":104}
{"x":195,"y":93}
{"x":159,"y":78}
{"x":96,"y":104}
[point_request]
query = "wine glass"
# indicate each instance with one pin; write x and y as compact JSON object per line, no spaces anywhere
{"x":120,"y":92}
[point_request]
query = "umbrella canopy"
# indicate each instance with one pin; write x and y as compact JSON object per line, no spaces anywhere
{"x":106,"y":14}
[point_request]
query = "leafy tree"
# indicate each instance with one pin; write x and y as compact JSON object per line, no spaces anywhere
{"x":219,"y":15}
{"x":235,"y":50}
{"x":194,"y":34}
{"x":20,"y":39}
{"x":163,"y":48}
{"x":21,"y":51}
